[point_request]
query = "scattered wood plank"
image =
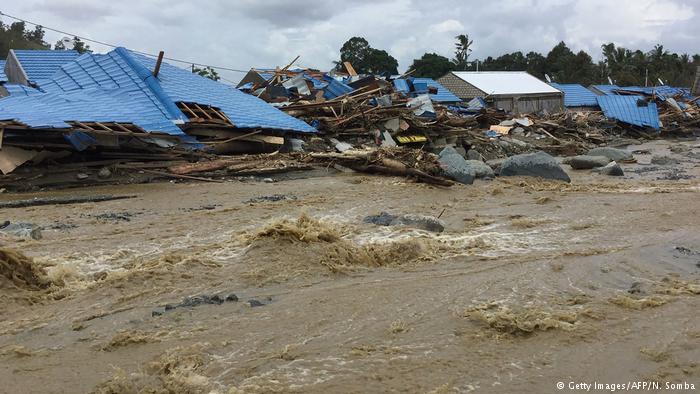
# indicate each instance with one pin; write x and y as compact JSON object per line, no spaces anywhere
{"x":61,"y":200}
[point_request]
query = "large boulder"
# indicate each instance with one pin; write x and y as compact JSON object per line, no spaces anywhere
{"x":455,"y":166}
{"x":481,"y":169}
{"x":586,"y":162}
{"x":611,"y":153}
{"x":538,"y":164}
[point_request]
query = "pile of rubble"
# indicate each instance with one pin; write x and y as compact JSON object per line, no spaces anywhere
{"x":283,"y":120}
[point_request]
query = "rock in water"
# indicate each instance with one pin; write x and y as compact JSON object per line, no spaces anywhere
{"x":585,"y":162}
{"x":456,"y":167}
{"x":481,"y":169}
{"x":611,"y":153}
{"x":427,"y":223}
{"x":612,"y":169}
{"x":538,"y":164}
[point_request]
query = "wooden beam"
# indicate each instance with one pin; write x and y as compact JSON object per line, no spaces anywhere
{"x":158,"y":63}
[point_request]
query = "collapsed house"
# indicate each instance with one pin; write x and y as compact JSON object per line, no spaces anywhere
{"x":513,"y":91}
{"x":125,"y":105}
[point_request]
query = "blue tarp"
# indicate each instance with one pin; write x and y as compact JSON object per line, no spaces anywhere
{"x":630,"y":109}
{"x":576,"y":95}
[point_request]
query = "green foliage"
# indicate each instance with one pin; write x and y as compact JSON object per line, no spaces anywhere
{"x":463,"y":49}
{"x":74,"y":43}
{"x":365,"y":59}
{"x":431,"y":65}
{"x":16,"y":36}
{"x":206,"y":72}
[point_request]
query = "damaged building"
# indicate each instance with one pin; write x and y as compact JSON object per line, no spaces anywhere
{"x":512,"y":91}
{"x":123,"y":105}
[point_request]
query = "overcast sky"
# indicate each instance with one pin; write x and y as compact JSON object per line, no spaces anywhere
{"x":265,"y":33}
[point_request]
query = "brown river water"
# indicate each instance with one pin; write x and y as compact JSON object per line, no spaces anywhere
{"x":531,"y":283}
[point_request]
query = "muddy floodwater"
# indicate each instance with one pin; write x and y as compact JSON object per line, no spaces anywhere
{"x":260,"y":287}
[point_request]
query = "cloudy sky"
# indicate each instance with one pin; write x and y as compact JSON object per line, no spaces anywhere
{"x":263,"y":33}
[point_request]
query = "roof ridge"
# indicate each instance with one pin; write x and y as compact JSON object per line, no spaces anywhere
{"x":151,"y":82}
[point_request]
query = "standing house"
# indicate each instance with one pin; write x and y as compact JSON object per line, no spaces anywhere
{"x":513,"y":91}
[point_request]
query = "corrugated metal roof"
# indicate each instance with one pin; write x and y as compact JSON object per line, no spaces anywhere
{"x":626,"y":109}
{"x":52,"y":110}
{"x":604,"y":89}
{"x":3,"y":77}
{"x":505,"y":82}
{"x":443,"y":95}
{"x":576,"y":95}
{"x":119,"y":87}
{"x":41,"y":64}
{"x":401,"y":85}
{"x":418,"y":86}
{"x":335,"y":88}
{"x":244,"y":110}
{"x":14,"y":89}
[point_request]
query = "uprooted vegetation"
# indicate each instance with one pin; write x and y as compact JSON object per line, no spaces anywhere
{"x":295,"y":248}
{"x":522,"y":320}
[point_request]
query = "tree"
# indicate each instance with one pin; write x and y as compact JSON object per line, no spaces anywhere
{"x":431,"y":65}
{"x":80,"y":46}
{"x":16,"y":36}
{"x":365,"y":59}
{"x":206,"y":72}
{"x":74,"y":43}
{"x":463,"y":49}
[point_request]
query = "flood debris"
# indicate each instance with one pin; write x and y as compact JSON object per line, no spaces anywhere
{"x":522,"y":320}
{"x":195,"y":301}
{"x":299,"y":119}
{"x":37,"y":201}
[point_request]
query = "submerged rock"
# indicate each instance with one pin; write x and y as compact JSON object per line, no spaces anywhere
{"x":21,"y":230}
{"x":611,"y":153}
{"x":612,"y":169}
{"x":538,"y":164}
{"x":586,"y":162}
{"x":427,"y":223}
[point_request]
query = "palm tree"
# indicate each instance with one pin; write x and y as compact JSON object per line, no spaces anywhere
{"x":463,"y":45}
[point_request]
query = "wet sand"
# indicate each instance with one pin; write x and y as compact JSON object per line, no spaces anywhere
{"x":531,"y":283}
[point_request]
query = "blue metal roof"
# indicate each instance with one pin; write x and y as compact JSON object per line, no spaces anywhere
{"x":401,"y":85}
{"x":3,"y":77}
{"x":335,"y":88}
{"x":627,"y":109}
{"x":244,"y":110}
{"x":606,"y":89}
{"x":661,"y":92}
{"x":14,"y":89}
{"x":41,"y":64}
{"x":421,"y":85}
{"x":576,"y":95}
{"x":119,"y":87}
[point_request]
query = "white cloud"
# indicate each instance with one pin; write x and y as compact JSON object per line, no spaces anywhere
{"x":267,"y":33}
{"x":449,"y":25}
